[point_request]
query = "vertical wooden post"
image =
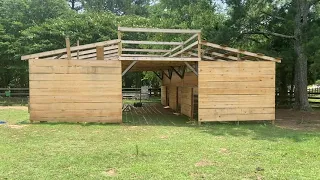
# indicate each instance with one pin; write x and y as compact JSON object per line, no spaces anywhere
{"x":120,"y":43}
{"x":199,"y":45}
{"x":100,"y":52}
{"x":68,"y":48}
{"x":78,"y":44}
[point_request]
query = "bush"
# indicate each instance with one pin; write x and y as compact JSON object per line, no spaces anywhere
{"x":318,"y":82}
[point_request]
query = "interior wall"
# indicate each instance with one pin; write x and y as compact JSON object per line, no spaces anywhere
{"x":236,"y":91}
{"x":75,"y":90}
{"x":178,"y":90}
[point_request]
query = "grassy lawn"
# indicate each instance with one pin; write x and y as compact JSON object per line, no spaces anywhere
{"x":154,"y":151}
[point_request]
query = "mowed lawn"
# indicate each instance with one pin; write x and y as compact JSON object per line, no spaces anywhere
{"x":155,"y":151}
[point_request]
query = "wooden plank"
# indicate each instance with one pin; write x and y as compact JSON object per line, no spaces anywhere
{"x":241,"y":52}
{"x":184,"y":49}
{"x":128,"y":68}
{"x":100,"y":52}
{"x":239,"y":117}
{"x":140,"y":55}
{"x":105,"y":106}
{"x":236,"y":64}
{"x":226,"y":111}
{"x":104,"y":119}
{"x":75,"y":77}
{"x":157,"y":59}
{"x":151,"y":42}
{"x":234,"y":97}
{"x":75,"y":92}
{"x":164,"y":95}
{"x":237,"y":71}
{"x":95,"y":54}
{"x":173,"y":103}
{"x":59,"y":51}
{"x":239,"y":85}
{"x":83,"y":63}
{"x":78,"y":52}
{"x":73,"y":70}
{"x":191,"y":68}
{"x":199,"y":45}
{"x":145,"y":50}
{"x":77,"y":98}
{"x":68,"y":48}
{"x":204,"y":78}
{"x":249,"y":91}
{"x":106,"y":48}
{"x":156,"y":30}
{"x":75,"y":84}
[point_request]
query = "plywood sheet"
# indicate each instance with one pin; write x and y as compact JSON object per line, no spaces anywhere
{"x":164,"y":95}
{"x":187,"y":101}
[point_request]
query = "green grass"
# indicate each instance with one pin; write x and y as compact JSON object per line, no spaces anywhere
{"x":13,"y":101}
{"x":156,"y":151}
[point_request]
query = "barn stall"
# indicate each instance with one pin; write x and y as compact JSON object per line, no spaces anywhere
{"x":201,"y":80}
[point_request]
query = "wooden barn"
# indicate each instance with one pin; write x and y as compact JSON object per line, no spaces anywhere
{"x":83,"y":83}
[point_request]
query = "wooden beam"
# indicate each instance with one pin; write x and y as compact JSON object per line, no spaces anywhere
{"x":95,"y":54}
{"x":178,"y":73}
{"x":151,"y":42}
{"x":191,"y":68}
{"x":170,"y":73}
{"x":140,"y":55}
{"x":157,"y":59}
{"x":129,"y":67}
{"x":68,"y":48}
{"x":199,"y":45}
{"x":185,"y":42}
{"x":120,"y":42}
{"x":78,"y":44}
{"x":184,"y":49}
{"x":241,"y":52}
{"x":59,"y":51}
{"x":158,"y":75}
{"x":145,"y":50}
{"x":154,"y":30}
{"x":100,"y":52}
{"x":165,"y":74}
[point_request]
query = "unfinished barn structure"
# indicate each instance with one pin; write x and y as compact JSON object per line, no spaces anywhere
{"x":202,"y":80}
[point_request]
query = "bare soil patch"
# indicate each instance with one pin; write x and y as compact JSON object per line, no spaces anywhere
{"x":298,"y":120}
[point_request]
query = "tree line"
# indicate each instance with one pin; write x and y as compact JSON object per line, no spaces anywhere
{"x":288,"y":29}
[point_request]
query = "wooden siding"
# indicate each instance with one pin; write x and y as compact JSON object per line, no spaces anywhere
{"x":75,"y":91}
{"x":173,"y":97}
{"x":189,"y":80}
{"x":164,"y":95}
{"x":236,"y":91}
{"x":187,"y":101}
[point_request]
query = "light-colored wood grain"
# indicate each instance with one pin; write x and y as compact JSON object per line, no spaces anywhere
{"x":187,"y":101}
{"x":75,"y":91}
{"x":164,"y":95}
{"x":173,"y":98}
{"x":236,"y":91}
{"x":100,"y":52}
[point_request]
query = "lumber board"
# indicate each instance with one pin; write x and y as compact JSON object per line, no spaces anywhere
{"x":75,"y":92}
{"x":238,"y":117}
{"x":226,"y":111}
{"x":186,"y":101}
{"x":241,"y":52}
{"x":77,"y":113}
{"x":86,"y":52}
{"x":73,"y":84}
{"x":73,"y":70}
{"x":82,"y":63}
{"x":237,"y":64}
{"x":104,"y":119}
{"x":239,"y":84}
{"x":248,"y":91}
{"x":158,"y":59}
{"x":152,"y":42}
{"x":105,"y":106}
{"x":75,"y":48}
{"x":164,"y":95}
{"x":75,"y":77}
{"x":156,"y":30}
{"x":38,"y":99}
{"x":184,"y":49}
{"x":237,"y":70}
{"x":204,"y":78}
{"x":173,"y":97}
{"x":145,"y":50}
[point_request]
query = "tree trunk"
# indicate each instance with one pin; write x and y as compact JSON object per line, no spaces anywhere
{"x":301,"y":68}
